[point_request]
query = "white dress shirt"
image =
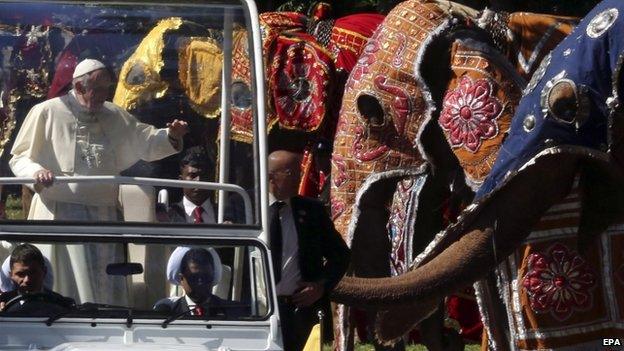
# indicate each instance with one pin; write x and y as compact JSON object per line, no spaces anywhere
{"x":291,"y":273}
{"x":207,"y":216}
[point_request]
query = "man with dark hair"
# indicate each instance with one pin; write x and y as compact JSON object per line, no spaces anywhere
{"x":197,"y":270}
{"x":196,"y":204}
{"x":28,"y":270}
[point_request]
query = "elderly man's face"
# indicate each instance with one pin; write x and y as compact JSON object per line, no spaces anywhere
{"x":28,"y":276}
{"x":97,"y":90}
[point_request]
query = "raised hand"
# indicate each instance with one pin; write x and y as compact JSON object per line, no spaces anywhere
{"x":177,"y":128}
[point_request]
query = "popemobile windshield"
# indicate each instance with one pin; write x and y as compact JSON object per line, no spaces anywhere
{"x":134,"y":192}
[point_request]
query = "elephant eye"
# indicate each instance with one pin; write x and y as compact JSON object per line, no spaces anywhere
{"x":241,"y":95}
{"x":136,"y":75}
{"x":562,"y":101}
{"x":370,"y":110}
{"x":566,"y":102}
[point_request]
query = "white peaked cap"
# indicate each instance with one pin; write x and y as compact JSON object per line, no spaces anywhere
{"x":175,"y":262}
{"x":86,"y":66}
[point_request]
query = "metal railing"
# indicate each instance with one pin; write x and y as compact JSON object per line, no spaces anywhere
{"x":146,"y":181}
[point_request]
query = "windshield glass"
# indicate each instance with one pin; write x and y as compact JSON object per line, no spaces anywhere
{"x":149,"y":90}
{"x":209,"y":280}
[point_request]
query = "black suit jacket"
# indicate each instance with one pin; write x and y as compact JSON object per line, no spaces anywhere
{"x":215,"y":308}
{"x":323,"y":254}
{"x":63,"y":301}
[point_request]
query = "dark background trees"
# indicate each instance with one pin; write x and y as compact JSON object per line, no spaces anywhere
{"x":344,"y":7}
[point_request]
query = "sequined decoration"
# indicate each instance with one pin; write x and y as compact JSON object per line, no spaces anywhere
{"x":397,"y":227}
{"x":538,"y":75}
{"x":601,"y":23}
{"x":558,"y":282}
{"x":469,"y":113}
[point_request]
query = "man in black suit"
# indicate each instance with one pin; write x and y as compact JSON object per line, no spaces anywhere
{"x":309,"y":256}
{"x":197,"y":270}
{"x":28,"y":271}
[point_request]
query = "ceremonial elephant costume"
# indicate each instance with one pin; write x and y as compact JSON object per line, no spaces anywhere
{"x":307,"y":61}
{"x":548,"y":218}
{"x":424,"y":113}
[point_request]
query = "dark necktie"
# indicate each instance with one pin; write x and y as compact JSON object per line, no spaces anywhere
{"x":197,"y":215}
{"x":275,"y":237}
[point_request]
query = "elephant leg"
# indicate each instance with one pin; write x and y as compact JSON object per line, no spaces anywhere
{"x":435,"y":337}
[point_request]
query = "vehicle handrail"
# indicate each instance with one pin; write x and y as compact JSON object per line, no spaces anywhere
{"x":145,"y":181}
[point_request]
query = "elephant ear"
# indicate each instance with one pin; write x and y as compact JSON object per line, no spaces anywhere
{"x":393,"y":323}
{"x":478,"y":105}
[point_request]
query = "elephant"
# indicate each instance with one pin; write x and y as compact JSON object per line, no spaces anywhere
{"x":307,"y":60}
{"x":546,"y":223}
{"x":423,"y":117}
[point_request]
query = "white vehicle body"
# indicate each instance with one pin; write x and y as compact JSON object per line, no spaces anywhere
{"x":143,"y":240}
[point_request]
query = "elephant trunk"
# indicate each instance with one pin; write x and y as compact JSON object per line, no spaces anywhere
{"x":502,"y":222}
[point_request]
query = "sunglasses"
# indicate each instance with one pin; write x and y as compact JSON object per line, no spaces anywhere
{"x":198,"y":279}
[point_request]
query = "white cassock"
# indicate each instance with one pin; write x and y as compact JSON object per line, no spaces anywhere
{"x":60,"y":135}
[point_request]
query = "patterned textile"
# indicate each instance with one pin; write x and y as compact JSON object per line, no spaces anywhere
{"x":300,"y":79}
{"x":29,"y":51}
{"x":300,"y":71}
{"x":140,"y":80}
{"x":200,"y":67}
{"x":242,"y":118}
{"x":484,"y":89}
{"x":478,"y":106}
{"x":349,"y":36}
{"x":303,"y":89}
{"x":526,"y":38}
{"x":557,"y":297}
{"x":383,"y":77}
{"x":385,"y":107}
{"x":565,"y":103}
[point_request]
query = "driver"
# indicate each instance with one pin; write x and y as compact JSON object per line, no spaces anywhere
{"x":197,"y":270}
{"x":28,"y":271}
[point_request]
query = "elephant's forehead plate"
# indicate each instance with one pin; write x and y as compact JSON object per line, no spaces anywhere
{"x":384,"y":76}
{"x":569,"y":99}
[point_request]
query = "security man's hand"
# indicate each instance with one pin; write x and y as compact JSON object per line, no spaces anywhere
{"x":308,"y":294}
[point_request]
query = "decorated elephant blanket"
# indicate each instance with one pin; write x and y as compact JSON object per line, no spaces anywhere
{"x":561,"y":289}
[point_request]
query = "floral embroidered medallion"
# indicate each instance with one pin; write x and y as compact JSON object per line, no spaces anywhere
{"x":469,"y":114}
{"x":558,"y":282}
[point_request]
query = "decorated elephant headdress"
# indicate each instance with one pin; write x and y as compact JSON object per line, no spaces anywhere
{"x":307,"y":59}
{"x":146,"y":75}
